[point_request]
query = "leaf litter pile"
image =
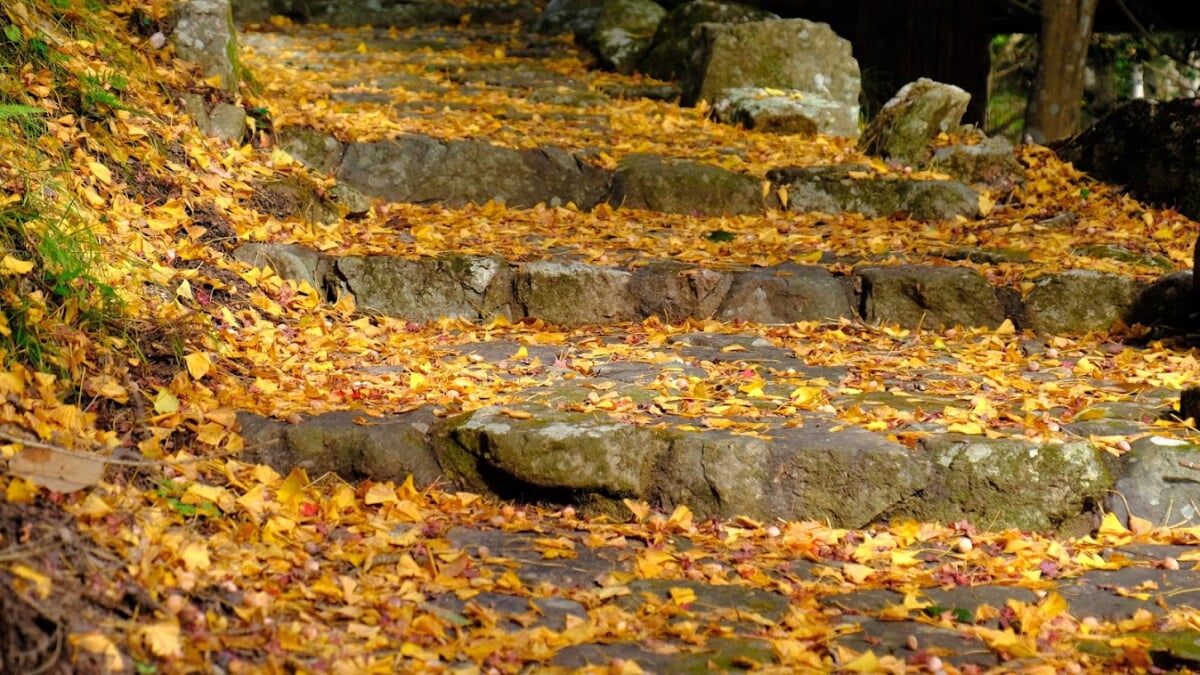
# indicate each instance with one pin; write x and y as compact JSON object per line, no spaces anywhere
{"x":133,"y":537}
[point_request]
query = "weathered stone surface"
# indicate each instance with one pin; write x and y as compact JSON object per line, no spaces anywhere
{"x":471,"y":287}
{"x":990,"y":162}
{"x":741,"y":347}
{"x":682,"y":186}
{"x":570,"y":16}
{"x":789,"y":54}
{"x":571,"y":294}
{"x":848,"y":476}
{"x":1100,"y":594}
{"x":350,"y":202}
{"x":785,"y":294}
{"x":1078,"y":301}
{"x":1113,"y":418}
{"x":552,"y":452}
{"x":624,"y":31}
{"x":1159,"y":481}
{"x":1003,"y":483}
{"x":290,"y":261}
{"x":715,"y":473}
{"x":1147,"y":146}
{"x":1167,"y":305}
{"x":223,"y":120}
{"x":722,"y":654}
{"x":970,"y":598}
{"x":1124,"y":254}
{"x":927,"y":296}
{"x":675,"y":291}
{"x":957,"y":648}
{"x":830,"y":189}
{"x":314,"y":149}
{"x":907,"y":124}
{"x":264,"y":442}
{"x":205,"y":35}
{"x":767,"y":605}
{"x":423,"y":169}
{"x":672,"y":51}
{"x":513,"y":610}
{"x":295,"y":197}
{"x":381,"y":448}
{"x":785,"y":112}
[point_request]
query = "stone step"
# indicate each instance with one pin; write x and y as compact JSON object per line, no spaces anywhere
{"x":571,"y":293}
{"x":782,"y":452}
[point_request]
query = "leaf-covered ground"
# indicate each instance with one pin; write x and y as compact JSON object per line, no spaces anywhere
{"x":129,"y":334}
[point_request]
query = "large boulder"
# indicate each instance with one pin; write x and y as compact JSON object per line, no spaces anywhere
{"x":380,"y":448}
{"x":906,"y":126}
{"x":624,"y":31}
{"x":1167,"y":305}
{"x":529,"y":448}
{"x":849,"y":477}
{"x":570,"y":16}
{"x":792,"y":54}
{"x":289,"y":261}
{"x":671,"y":53}
{"x":205,"y":35}
{"x":225,"y":121}
{"x":314,"y":149}
{"x":1150,"y":148}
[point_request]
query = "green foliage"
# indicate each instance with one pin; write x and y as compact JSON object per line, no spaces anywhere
{"x":173,"y":492}
{"x":46,"y":311}
{"x":27,"y":117}
{"x":61,"y":290}
{"x":101,"y":91}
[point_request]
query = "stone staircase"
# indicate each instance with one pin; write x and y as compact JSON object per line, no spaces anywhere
{"x":716,"y":398}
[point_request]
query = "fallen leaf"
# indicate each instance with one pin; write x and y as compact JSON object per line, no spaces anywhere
{"x":58,"y":471}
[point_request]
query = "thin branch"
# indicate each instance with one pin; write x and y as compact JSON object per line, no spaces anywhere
{"x":1155,"y":44}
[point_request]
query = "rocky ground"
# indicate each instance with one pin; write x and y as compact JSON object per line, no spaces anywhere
{"x":472,"y":357}
{"x":753,"y":421}
{"x":823,"y":394}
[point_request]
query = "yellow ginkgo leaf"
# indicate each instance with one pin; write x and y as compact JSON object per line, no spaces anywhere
{"x":166,"y":403}
{"x":41,"y":583}
{"x":13,"y":265}
{"x":198,"y":364}
{"x":101,"y":172}
{"x":162,"y":638}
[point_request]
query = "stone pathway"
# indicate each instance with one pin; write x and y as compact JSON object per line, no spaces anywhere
{"x":967,"y":615}
{"x":746,"y":419}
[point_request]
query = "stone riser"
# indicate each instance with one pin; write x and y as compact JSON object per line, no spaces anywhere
{"x":573,"y":293}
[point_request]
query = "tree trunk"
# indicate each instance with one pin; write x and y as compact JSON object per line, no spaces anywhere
{"x":1054,"y":104}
